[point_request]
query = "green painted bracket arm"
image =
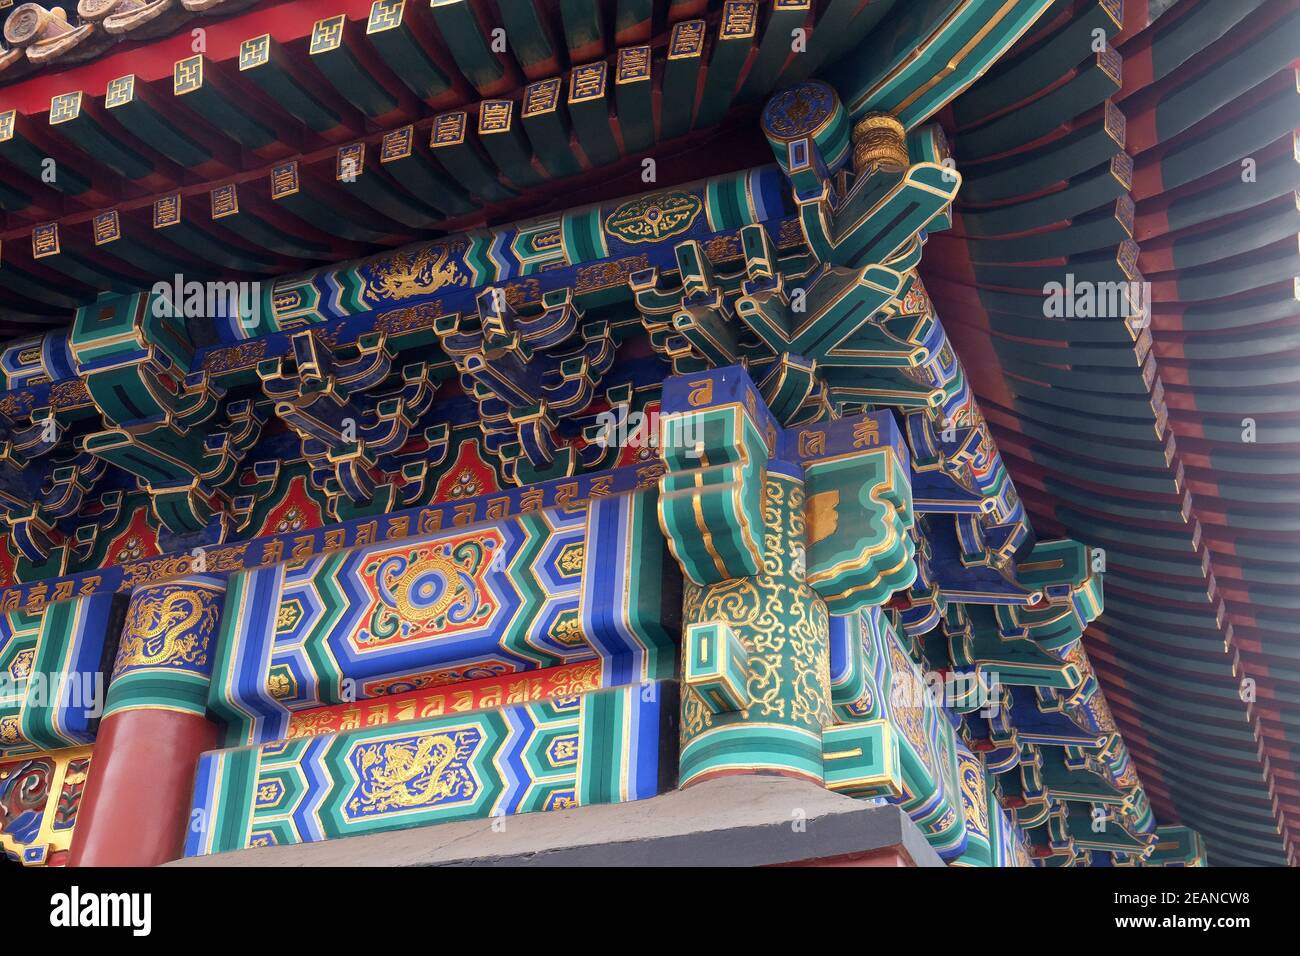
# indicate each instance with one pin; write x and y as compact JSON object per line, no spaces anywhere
{"x":1072,"y":589}
{"x":894,"y":72}
{"x":716,"y":457}
{"x":182,"y":509}
{"x":1177,"y":846}
{"x":881,"y":215}
{"x":716,"y":665}
{"x":1021,"y":662}
{"x":1103,"y":831}
{"x":794,"y":391}
{"x":862,"y":760}
{"x":858,"y":511}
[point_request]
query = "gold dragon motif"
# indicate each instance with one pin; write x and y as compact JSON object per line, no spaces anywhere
{"x":413,"y":272}
{"x":168,"y":627}
{"x":414,"y":772}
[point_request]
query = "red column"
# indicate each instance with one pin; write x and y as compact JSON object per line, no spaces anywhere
{"x":136,"y":806}
{"x":137,"y":800}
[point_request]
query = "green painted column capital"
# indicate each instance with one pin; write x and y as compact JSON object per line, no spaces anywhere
{"x":164,"y":659}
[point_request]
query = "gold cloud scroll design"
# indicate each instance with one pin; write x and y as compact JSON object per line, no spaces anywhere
{"x":655,"y":217}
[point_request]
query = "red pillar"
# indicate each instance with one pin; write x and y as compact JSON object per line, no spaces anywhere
{"x":137,"y":801}
{"x":136,"y":806}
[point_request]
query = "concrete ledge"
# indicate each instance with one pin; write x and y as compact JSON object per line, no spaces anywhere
{"x":744,"y":820}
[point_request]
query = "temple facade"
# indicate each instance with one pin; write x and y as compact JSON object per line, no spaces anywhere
{"x":427,"y":415}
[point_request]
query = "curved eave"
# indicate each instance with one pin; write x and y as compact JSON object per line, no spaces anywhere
{"x":1173,"y":443}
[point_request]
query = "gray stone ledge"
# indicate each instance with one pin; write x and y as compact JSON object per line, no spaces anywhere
{"x":744,"y":820}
